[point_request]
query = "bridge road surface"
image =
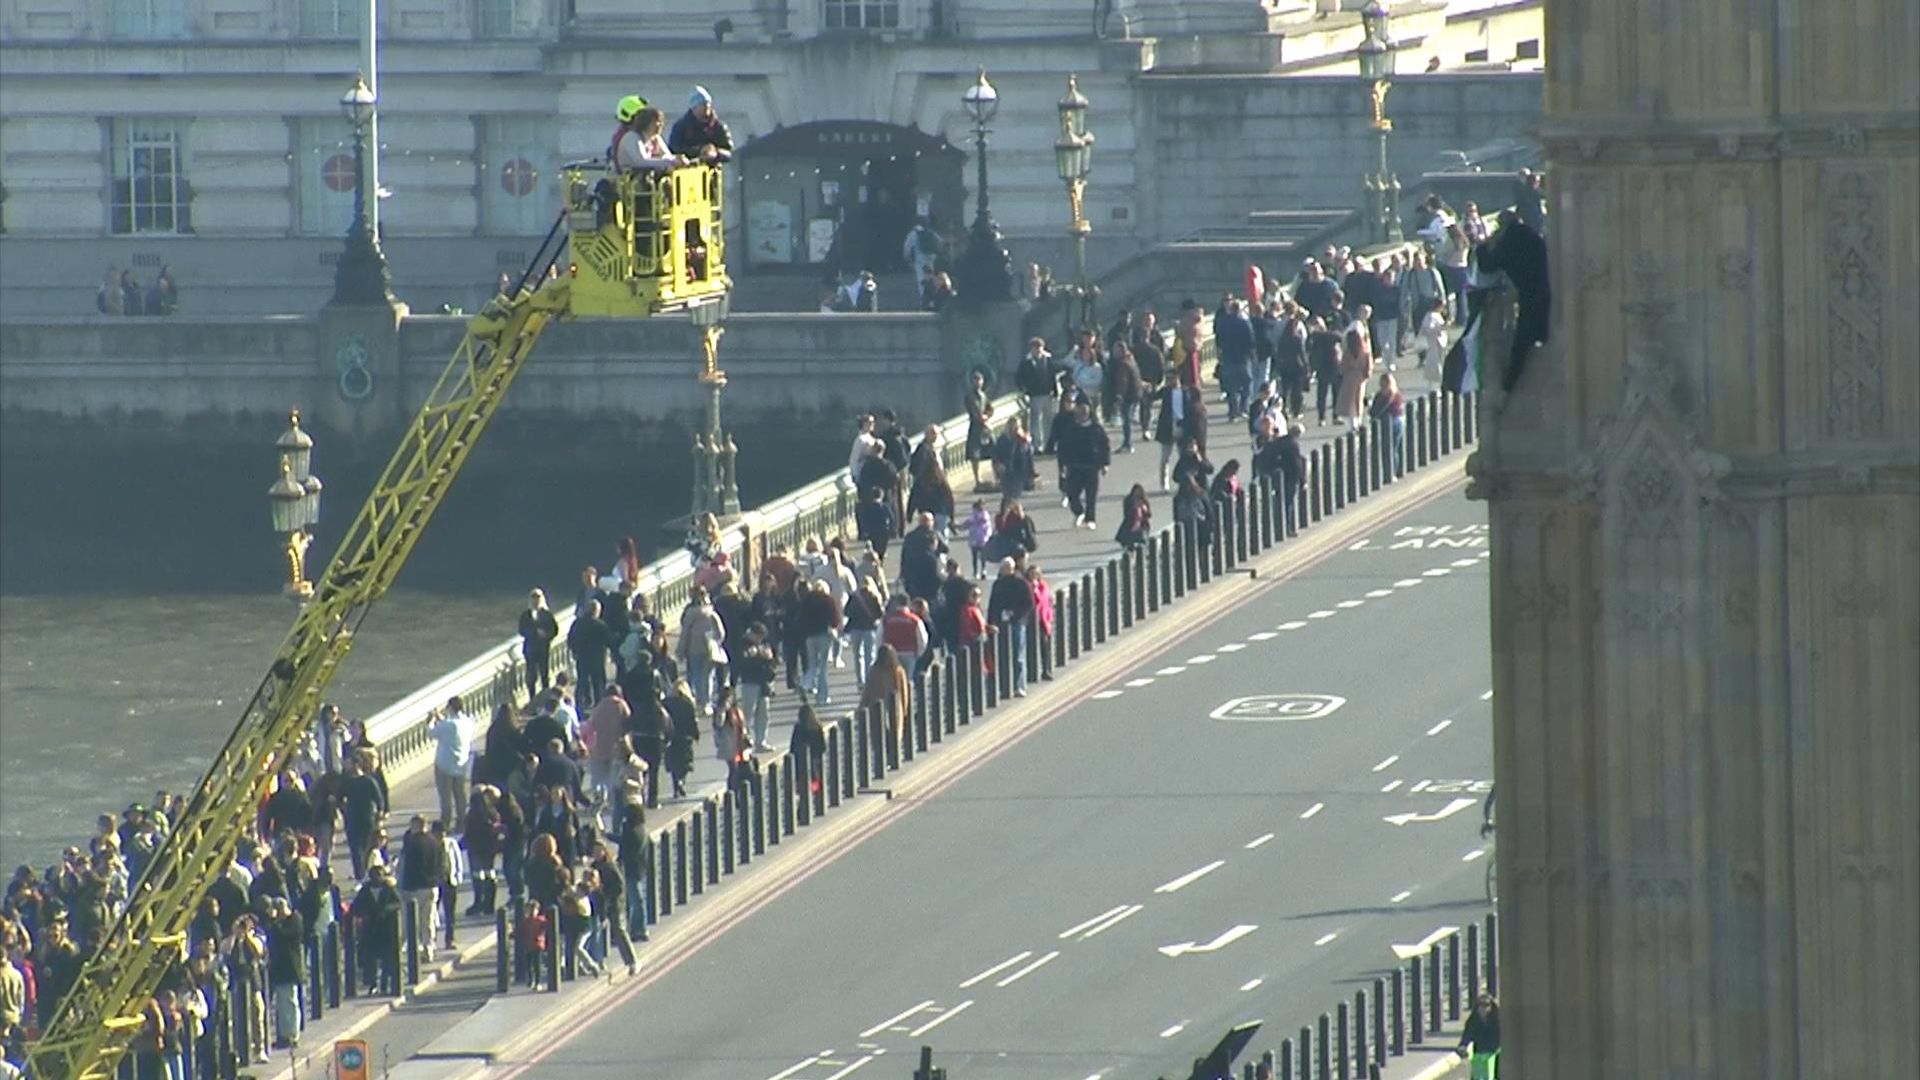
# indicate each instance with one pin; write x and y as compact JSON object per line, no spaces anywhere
{"x":1164,"y":860}
{"x":1065,"y":553}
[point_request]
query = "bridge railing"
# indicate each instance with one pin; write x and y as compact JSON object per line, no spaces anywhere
{"x":822,"y":509}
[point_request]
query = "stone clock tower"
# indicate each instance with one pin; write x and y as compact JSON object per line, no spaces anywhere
{"x":1705,"y":503}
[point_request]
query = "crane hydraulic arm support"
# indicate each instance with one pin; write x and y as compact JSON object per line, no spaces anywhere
{"x":100,"y":1016}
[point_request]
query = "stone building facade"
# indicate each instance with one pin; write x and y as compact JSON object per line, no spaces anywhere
{"x":205,"y":134}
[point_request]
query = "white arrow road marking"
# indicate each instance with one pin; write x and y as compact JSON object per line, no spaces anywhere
{"x":1408,"y":952}
{"x":1190,"y":877}
{"x":1107,"y":914}
{"x":1221,"y":942}
{"x":941,"y":1019}
{"x":1130,"y":912}
{"x":997,"y":968}
{"x":1446,"y":811}
{"x":890,"y":1021}
{"x":1029,"y":969}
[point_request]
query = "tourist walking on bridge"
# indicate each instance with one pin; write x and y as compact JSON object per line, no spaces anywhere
{"x":453,"y":746}
{"x":538,"y":630}
{"x":1085,"y":452}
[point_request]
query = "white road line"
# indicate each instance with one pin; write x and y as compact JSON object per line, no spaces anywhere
{"x":1438,"y":571}
{"x":1264,"y":635}
{"x":1312,"y":810}
{"x":1173,"y":670}
{"x":1488,"y":696}
{"x":1257,"y":841}
{"x":1232,"y":646}
{"x":1294,"y":625}
{"x":1324,"y":938}
{"x":1407,"y":583}
{"x":1419,"y":787}
{"x":1401,"y":895}
{"x":1349,"y":603}
{"x":1029,"y":969}
{"x":1203,"y":658}
{"x":1174,"y":1030}
{"x":1419,"y":948}
{"x":941,"y":1019}
{"x":1138,"y":683}
{"x":1375,"y":594}
{"x":1439,"y":727}
{"x":1472,"y":855}
{"x":1387,"y":764}
{"x":890,"y":1021}
{"x":1323,"y":613}
{"x":791,"y":1069}
{"x":1465,"y":562}
{"x":1391,"y":785}
{"x":1072,"y":930}
{"x":1250,"y":984}
{"x":1131,"y":911}
{"x":1190,"y":877}
{"x":850,"y":1068}
{"x":996,"y":969}
{"x":1107,"y":695}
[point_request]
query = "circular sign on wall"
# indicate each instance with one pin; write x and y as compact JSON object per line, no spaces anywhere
{"x":518,"y":177}
{"x":337,"y":172}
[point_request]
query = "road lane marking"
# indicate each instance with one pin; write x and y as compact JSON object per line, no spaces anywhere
{"x":1232,"y":646}
{"x":1136,"y":684}
{"x":1203,"y":658}
{"x":1438,"y":571}
{"x":1419,"y":787}
{"x":941,"y":1019}
{"x":1257,"y":841}
{"x":1408,"y":952}
{"x":1375,"y":594}
{"x":1250,"y":984}
{"x":1488,"y":696}
{"x":1324,"y":938}
{"x":890,"y":1021}
{"x":1174,"y":1030}
{"x":1465,"y":562}
{"x":1323,"y":613}
{"x":1190,"y":877}
{"x":1387,"y":764}
{"x":1107,"y":695}
{"x":1131,"y":911}
{"x":1441,"y":814}
{"x":996,"y":969}
{"x":791,"y":1069}
{"x":850,"y":1068}
{"x":1401,"y":895}
{"x":1391,"y":785}
{"x":1294,"y":625}
{"x":1173,"y":670}
{"x":1072,"y":930}
{"x":1472,"y":855}
{"x":1312,"y":810}
{"x":1407,"y":583}
{"x":1225,"y":939}
{"x":1349,"y":603}
{"x":1029,"y":969}
{"x":1439,"y":727}
{"x":1264,"y":635}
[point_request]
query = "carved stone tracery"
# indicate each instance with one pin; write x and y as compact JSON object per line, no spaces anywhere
{"x":1855,"y":266}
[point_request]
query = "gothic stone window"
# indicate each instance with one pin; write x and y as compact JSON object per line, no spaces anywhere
{"x":861,"y":14}
{"x":149,"y":192}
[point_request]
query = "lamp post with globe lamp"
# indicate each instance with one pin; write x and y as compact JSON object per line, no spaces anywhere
{"x":984,"y":270}
{"x":1073,"y":157}
{"x":1376,"y":68}
{"x":362,"y":277}
{"x":295,"y":502}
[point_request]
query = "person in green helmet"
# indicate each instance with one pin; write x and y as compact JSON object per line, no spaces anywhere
{"x":624,"y":112}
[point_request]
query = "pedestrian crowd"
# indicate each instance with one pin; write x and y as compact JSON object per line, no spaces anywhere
{"x":120,"y":293}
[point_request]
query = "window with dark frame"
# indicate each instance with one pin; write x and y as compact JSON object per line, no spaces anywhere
{"x":149,"y":189}
{"x":860,"y":14}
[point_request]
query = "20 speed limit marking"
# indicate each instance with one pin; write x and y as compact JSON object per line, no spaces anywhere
{"x":1272,"y":708}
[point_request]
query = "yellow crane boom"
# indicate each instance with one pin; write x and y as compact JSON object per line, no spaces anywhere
{"x":99,"y":1017}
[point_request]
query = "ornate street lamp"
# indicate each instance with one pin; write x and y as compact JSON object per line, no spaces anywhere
{"x":984,"y":270}
{"x":1073,"y":157}
{"x":362,"y":277}
{"x":294,"y":500}
{"x":1376,"y":67}
{"x":716,"y":488}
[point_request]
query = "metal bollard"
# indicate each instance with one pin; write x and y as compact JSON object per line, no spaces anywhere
{"x":753,"y":823}
{"x":316,"y":993}
{"x":1493,"y":954}
{"x":1342,"y":449}
{"x":1366,"y":450}
{"x":680,"y":876}
{"x":330,"y":951}
{"x":1110,"y":621}
{"x":1213,"y":561}
{"x":350,"y":958}
{"x":1176,"y":569}
{"x":1323,"y":1043}
{"x":921,"y":704}
{"x":695,"y":856}
{"x":1036,"y":649}
{"x":934,"y":691}
{"x":790,"y":777}
{"x":1306,"y":1053}
{"x":502,"y":953}
{"x":1127,"y":564}
{"x":724,"y":827}
{"x":1284,"y":1070}
{"x":896,"y":749}
{"x":1416,"y":1014}
{"x":553,"y":956}
{"x":1362,"y":1029}
{"x":1316,"y":479}
{"x":1473,"y":963}
{"x":1380,"y":1021}
{"x":410,"y":930}
{"x":976,"y":684}
{"x":1343,"y":1047}
{"x":1433,"y":988}
{"x":1399,"y":1006}
{"x":710,"y":809}
{"x":1003,"y":662}
{"x":1453,"y":976}
{"x":1167,"y":566}
{"x":832,"y":765}
{"x":862,"y":746}
{"x":1066,"y":602}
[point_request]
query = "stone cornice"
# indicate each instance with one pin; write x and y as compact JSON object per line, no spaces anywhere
{"x":1744,"y":479}
{"x":1654,"y":142}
